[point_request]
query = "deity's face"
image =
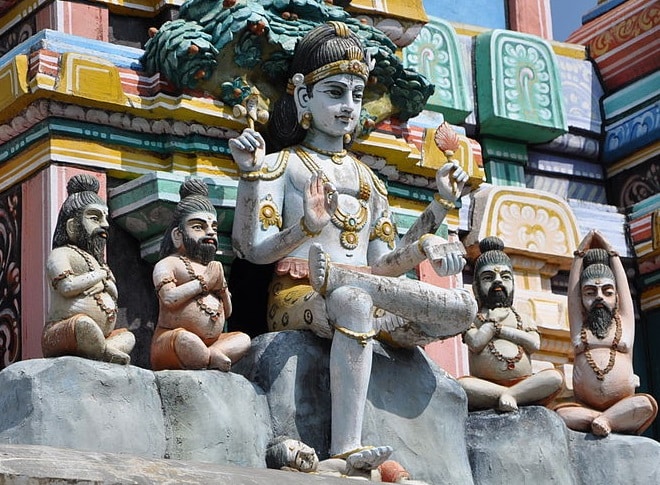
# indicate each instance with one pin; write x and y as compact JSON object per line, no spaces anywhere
{"x":89,"y":230}
{"x":599,"y":292}
{"x":199,"y":236}
{"x":495,"y":286}
{"x":335,"y":103}
{"x":599,"y":301}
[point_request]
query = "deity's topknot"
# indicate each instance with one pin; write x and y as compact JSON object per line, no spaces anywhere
{"x":596,"y":265}
{"x":193,"y":186}
{"x":491,"y":248}
{"x":491,"y":243}
{"x":82,"y":182}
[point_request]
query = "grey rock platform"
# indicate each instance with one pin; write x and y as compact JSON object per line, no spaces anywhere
{"x":72,"y":420}
{"x":40,"y":465}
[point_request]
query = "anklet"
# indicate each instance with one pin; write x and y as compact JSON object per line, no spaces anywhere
{"x":362,"y":337}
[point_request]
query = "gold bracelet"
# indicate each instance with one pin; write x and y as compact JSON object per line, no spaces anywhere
{"x":444,"y":202}
{"x":420,"y":241}
{"x":308,"y":232}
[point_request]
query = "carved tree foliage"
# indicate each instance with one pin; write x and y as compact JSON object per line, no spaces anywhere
{"x":215,"y":42}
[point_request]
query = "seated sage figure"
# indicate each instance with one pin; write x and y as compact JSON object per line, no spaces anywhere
{"x":602,"y":323}
{"x":501,"y":341}
{"x":193,"y":296}
{"x":83,"y":310}
{"x":323,"y":218}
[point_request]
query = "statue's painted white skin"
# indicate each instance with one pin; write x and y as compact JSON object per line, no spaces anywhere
{"x":193,"y":296}
{"x":602,"y":322}
{"x":324,"y":218}
{"x":83,"y":311}
{"x":501,"y":342}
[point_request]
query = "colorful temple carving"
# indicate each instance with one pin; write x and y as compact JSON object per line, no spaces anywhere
{"x":558,"y":138}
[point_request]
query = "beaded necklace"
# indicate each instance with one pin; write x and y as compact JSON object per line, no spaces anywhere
{"x":214,"y":314}
{"x":601,"y":373}
{"x":110,"y":312}
{"x":336,"y":157}
{"x":349,"y":224}
{"x":509,"y":361}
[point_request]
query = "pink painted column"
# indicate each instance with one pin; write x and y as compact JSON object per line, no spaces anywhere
{"x":531,"y":17}
{"x":42,"y":195}
{"x":450,"y":354}
{"x":85,"y":20}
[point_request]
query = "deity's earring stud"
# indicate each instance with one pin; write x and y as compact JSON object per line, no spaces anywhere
{"x":306,"y":120}
{"x":347,"y":139}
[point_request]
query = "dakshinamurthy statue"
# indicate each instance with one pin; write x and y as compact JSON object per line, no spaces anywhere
{"x":602,"y":324}
{"x":193,"y":296}
{"x":501,"y":341}
{"x":83,"y":310}
{"x":323,"y":218}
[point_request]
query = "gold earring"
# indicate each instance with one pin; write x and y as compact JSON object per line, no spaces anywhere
{"x":347,"y":139}
{"x":306,"y":120}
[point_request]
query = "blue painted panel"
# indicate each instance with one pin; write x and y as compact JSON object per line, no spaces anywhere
{"x":483,"y":13}
{"x":119,"y":55}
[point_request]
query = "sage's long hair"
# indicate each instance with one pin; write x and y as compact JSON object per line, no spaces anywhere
{"x":82,"y":190}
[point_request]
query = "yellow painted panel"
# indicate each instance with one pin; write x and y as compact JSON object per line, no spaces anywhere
{"x":434,"y":158}
{"x":90,"y":77}
{"x":13,"y":82}
{"x":406,"y":9}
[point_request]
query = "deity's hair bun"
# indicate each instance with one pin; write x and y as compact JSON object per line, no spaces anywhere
{"x":491,"y":243}
{"x":193,"y":186}
{"x":596,"y":256}
{"x":82,"y":182}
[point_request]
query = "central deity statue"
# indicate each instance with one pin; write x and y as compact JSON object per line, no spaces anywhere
{"x":323,"y":218}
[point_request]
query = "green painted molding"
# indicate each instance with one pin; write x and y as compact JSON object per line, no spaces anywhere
{"x":519,"y":93}
{"x":493,"y":148}
{"x":435,"y":53}
{"x":503,"y":173}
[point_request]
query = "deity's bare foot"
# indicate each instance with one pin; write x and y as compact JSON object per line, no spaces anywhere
{"x":115,"y":356}
{"x":368,"y":459}
{"x":319,"y":268}
{"x":219,"y":361}
{"x":601,"y":426}
{"x":507,"y":403}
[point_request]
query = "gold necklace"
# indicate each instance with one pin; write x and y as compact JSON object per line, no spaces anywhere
{"x":601,"y":373}
{"x":336,"y":157}
{"x":349,"y":224}
{"x":214,"y":314}
{"x":110,"y":312}
{"x":509,"y":361}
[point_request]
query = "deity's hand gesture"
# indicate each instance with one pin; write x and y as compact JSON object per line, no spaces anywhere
{"x":214,"y":276}
{"x":450,"y":179}
{"x":445,"y":257}
{"x":319,"y":203}
{"x":248,"y":150}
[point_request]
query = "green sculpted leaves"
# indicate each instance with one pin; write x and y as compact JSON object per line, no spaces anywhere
{"x":255,"y":39}
{"x":181,"y":50}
